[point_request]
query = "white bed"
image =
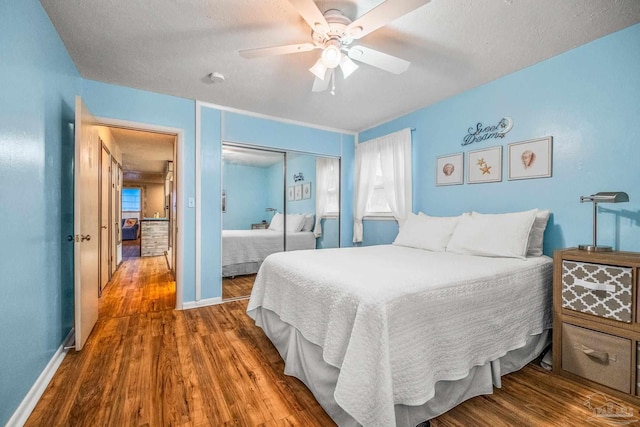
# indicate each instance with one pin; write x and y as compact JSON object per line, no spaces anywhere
{"x":391,"y":335}
{"x":244,"y":250}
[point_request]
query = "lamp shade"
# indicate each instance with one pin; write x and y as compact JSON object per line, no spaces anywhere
{"x":602,"y":197}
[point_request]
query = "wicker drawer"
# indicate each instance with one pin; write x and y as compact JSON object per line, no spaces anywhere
{"x":598,"y":357}
{"x":597,"y":289}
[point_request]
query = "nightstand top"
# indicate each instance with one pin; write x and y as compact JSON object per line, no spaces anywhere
{"x":615,"y":257}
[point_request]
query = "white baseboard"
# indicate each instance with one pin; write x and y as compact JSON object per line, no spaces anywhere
{"x":201,"y":303}
{"x":23,"y":411}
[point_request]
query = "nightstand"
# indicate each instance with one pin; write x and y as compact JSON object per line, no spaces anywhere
{"x":260,"y":226}
{"x":596,"y":326}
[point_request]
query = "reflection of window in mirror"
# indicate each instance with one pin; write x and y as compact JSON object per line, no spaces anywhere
{"x":328,"y":188}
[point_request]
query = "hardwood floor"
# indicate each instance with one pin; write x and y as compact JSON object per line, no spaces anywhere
{"x":239,"y":286}
{"x":146,"y":364}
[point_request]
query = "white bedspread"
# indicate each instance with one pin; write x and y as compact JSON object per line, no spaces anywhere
{"x":396,"y":320}
{"x":240,"y":246}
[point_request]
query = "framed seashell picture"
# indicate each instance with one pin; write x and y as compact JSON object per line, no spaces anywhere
{"x":530,"y":159}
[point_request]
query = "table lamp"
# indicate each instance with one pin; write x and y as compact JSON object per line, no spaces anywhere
{"x":272,"y":210}
{"x":603,"y":197}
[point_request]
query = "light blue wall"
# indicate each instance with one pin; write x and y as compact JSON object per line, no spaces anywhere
{"x":588,"y":100}
{"x":305,"y":164}
{"x":37,"y":104}
{"x":329,"y":238}
{"x":275,"y":196}
{"x":261,"y":132}
{"x":247,"y":194}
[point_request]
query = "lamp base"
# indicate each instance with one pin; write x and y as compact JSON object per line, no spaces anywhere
{"x":592,"y":248}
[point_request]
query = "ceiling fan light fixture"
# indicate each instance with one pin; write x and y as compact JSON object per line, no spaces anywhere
{"x":347,"y":66}
{"x":319,"y":69}
{"x":331,"y":55}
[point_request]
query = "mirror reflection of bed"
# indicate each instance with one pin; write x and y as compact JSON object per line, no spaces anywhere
{"x":270,"y":202}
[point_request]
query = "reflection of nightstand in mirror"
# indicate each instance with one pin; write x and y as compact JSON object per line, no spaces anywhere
{"x":260,"y":226}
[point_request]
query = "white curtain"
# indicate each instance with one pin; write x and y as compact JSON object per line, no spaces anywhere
{"x":394,"y":151}
{"x":395,"y":162}
{"x":327,"y":173}
{"x":365,"y":176}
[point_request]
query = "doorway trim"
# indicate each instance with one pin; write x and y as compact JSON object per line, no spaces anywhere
{"x":180,"y":205}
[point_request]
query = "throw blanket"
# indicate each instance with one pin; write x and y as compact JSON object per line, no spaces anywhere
{"x":396,"y":320}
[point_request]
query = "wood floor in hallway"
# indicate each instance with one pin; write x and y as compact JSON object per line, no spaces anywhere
{"x":146,"y":364}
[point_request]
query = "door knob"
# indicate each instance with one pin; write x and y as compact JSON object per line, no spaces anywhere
{"x":104,"y":226}
{"x":85,"y":237}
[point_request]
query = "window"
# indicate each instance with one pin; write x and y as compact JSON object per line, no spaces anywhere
{"x":333,"y":189}
{"x":328,"y":187}
{"x":377,"y":204}
{"x":382,"y":179}
{"x":131,"y":199}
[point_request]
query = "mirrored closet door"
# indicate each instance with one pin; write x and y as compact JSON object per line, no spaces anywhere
{"x":271,"y":202}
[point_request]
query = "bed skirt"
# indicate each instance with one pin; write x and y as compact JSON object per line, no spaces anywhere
{"x":240,"y":269}
{"x":304,"y":361}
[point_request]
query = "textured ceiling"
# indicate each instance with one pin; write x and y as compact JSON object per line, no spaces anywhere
{"x":143,"y":153}
{"x":171,"y":46}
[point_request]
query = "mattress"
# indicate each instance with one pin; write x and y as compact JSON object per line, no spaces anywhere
{"x":244,"y":250}
{"x":395,"y":321}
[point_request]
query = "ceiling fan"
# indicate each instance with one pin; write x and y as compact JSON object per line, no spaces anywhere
{"x":334,"y":33}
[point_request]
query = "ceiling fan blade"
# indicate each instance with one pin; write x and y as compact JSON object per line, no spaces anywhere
{"x":277,"y":50}
{"x":320,"y":85}
{"x":384,"y":61}
{"x":381,"y":15}
{"x":310,"y":13}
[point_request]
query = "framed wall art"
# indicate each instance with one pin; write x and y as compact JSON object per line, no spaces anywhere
{"x":298,"y":192}
{"x":290,"y":194}
{"x":450,"y":169}
{"x":530,"y":159}
{"x":484,"y":165}
{"x":306,"y":190}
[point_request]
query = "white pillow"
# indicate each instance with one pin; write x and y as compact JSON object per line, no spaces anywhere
{"x":536,"y":237}
{"x":426,"y":232}
{"x":277,"y":222}
{"x":309,"y":222}
{"x":493,"y":235}
{"x":294,"y":223}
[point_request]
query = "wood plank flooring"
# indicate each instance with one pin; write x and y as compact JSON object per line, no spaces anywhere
{"x":146,"y":364}
{"x":237,"y":287}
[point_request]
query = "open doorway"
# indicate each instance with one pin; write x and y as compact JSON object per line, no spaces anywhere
{"x":143,"y":194}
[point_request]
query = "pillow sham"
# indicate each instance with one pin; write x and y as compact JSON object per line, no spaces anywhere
{"x":130,"y":222}
{"x":309,"y":222}
{"x":295,"y":222}
{"x":536,"y":237}
{"x":277,"y":222}
{"x":426,"y":232}
{"x":493,"y":235}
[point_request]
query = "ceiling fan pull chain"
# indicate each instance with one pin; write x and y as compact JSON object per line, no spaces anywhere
{"x":333,"y":82}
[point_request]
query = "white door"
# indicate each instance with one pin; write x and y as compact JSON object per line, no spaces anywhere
{"x":86,"y":225}
{"x":105,"y":217}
